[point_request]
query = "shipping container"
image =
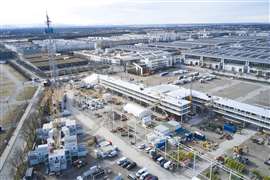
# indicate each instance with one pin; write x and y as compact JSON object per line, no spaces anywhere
{"x":230,"y":128}
{"x":160,"y":144}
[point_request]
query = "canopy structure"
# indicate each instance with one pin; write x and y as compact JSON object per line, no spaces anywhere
{"x":137,"y":111}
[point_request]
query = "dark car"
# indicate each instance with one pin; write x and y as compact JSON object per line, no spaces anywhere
{"x":131,"y":176}
{"x":156,"y":157}
{"x":99,"y":173}
{"x":124,"y":165}
{"x":131,"y":166}
{"x":147,"y":176}
{"x":267,"y":162}
{"x":121,"y":162}
{"x":152,"y":177}
{"x":163,"y":162}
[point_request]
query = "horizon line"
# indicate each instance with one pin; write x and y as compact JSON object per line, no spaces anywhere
{"x":36,"y":25}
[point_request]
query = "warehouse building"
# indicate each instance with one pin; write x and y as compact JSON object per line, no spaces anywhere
{"x":132,"y":56}
{"x":126,"y":39}
{"x":246,"y":56}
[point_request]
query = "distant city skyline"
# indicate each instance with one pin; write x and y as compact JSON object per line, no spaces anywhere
{"x":127,"y":12}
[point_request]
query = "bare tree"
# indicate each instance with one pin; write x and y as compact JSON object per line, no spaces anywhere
{"x":17,"y":161}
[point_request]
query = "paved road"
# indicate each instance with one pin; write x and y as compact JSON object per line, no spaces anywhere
{"x":126,"y":149}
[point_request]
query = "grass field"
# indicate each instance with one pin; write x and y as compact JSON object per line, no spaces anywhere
{"x":9,"y":120}
{"x":18,"y":75}
{"x":6,"y":86}
{"x":26,"y":94}
{"x":11,"y":89}
{"x":6,"y":89}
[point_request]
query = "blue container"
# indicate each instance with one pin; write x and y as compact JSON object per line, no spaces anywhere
{"x":179,"y":130}
{"x":188,"y":136}
{"x":229,"y":128}
{"x":160,"y":144}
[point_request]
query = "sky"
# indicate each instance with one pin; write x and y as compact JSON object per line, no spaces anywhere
{"x":126,"y":12}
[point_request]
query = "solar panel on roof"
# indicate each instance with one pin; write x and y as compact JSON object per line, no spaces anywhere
{"x":264,"y":57}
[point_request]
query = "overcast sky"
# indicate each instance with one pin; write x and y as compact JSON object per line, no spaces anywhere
{"x":120,"y":12}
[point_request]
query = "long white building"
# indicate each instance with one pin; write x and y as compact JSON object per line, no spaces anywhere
{"x":157,"y":96}
{"x":176,"y":101}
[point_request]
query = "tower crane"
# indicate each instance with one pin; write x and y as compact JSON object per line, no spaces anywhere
{"x":53,"y":82}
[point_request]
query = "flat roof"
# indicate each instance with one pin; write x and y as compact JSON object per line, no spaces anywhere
{"x":234,"y":53}
{"x":176,"y":45}
{"x":161,"y":128}
{"x":157,"y":92}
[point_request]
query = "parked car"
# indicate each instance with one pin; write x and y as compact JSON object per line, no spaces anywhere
{"x":131,"y":165}
{"x":113,"y":153}
{"x":160,"y":159}
{"x":163,"y":162}
{"x":125,"y":164}
{"x":267,"y":162}
{"x":142,"y":146}
{"x":144,"y":175}
{"x":151,"y":177}
{"x":140,"y":172}
{"x":131,"y":177}
{"x":148,"y":149}
{"x":167,"y":164}
{"x":121,"y":160}
{"x":156,"y":157}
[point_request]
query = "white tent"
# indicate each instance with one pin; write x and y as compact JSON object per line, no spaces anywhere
{"x":91,"y":79}
{"x":137,"y":111}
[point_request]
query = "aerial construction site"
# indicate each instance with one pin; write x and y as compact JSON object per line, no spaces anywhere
{"x":143,"y":102}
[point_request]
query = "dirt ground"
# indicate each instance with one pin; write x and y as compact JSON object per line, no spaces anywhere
{"x":257,"y":155}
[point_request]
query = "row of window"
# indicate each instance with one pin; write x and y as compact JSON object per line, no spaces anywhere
{"x":239,"y":111}
{"x":244,"y":118}
{"x":147,"y":99}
